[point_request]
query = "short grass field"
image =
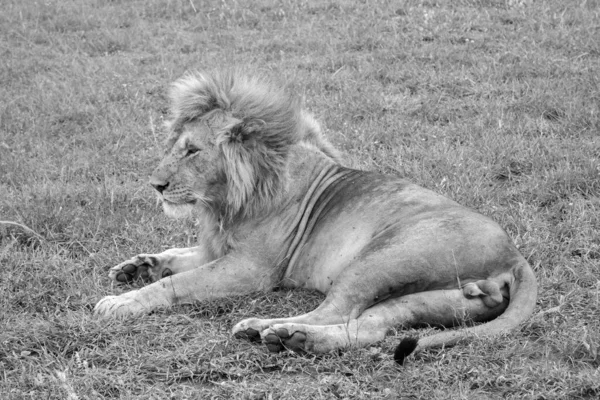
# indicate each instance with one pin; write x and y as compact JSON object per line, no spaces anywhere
{"x":494,"y":103}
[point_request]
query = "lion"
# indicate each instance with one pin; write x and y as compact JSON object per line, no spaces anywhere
{"x":276,"y":208}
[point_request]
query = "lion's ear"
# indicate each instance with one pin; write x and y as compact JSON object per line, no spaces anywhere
{"x":245,"y":130}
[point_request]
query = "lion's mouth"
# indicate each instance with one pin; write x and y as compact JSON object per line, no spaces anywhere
{"x":179,"y":203}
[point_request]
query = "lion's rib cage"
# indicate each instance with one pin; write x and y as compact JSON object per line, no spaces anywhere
{"x":328,"y":183}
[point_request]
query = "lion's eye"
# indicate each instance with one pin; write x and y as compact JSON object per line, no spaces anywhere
{"x":191,"y":151}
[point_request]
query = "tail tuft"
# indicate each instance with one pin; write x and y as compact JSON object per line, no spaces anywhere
{"x":406,"y":346}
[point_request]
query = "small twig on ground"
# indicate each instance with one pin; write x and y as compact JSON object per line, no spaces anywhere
{"x":548,"y":311}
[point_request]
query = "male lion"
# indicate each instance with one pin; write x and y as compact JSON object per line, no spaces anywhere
{"x":276,"y":208}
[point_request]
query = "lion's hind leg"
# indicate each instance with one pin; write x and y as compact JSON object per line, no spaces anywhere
{"x":251,"y":328}
{"x":327,"y":313}
{"x":437,"y":308}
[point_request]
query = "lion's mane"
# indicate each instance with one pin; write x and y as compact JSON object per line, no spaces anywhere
{"x":263,"y":122}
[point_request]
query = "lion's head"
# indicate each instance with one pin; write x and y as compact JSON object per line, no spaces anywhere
{"x":229,"y":139}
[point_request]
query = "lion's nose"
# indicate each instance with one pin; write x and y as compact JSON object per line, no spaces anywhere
{"x":160,"y":188}
{"x":159,"y":185}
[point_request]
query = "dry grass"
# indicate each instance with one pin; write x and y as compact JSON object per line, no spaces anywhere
{"x":495,"y":103}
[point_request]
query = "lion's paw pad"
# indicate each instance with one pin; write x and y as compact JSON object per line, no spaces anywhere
{"x":280,"y":339}
{"x":145,"y":268}
{"x":130,"y":273}
{"x":249,"y":334}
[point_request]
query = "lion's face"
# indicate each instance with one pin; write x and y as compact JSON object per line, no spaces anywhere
{"x":228,"y":148}
{"x":189,"y":175}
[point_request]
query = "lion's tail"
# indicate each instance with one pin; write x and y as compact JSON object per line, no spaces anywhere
{"x":523,"y":295}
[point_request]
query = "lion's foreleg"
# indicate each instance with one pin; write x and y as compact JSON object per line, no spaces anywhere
{"x":226,"y":276}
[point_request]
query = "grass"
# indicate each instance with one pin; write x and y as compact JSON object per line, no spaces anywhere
{"x":495,"y":103}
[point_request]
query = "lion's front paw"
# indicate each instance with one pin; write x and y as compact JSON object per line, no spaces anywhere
{"x":146,"y":267}
{"x":120,"y":306}
{"x":287,"y":336}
